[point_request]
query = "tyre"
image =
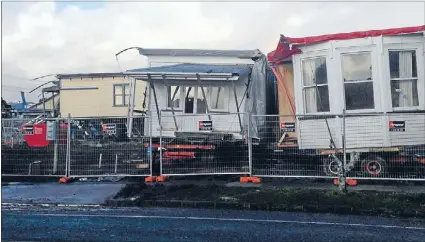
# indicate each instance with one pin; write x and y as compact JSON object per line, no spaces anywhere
{"x":374,"y":166}
{"x":330,"y":167}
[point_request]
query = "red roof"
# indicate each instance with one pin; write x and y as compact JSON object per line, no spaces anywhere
{"x":282,"y":51}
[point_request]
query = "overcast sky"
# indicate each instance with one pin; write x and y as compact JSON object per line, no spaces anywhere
{"x":40,"y":38}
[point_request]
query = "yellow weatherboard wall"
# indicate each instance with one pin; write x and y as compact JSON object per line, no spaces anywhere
{"x":96,"y":102}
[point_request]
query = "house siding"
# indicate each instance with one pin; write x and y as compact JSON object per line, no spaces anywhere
{"x":228,"y":122}
{"x":95,"y":102}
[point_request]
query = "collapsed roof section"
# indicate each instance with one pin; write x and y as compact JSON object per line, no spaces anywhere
{"x":286,"y":46}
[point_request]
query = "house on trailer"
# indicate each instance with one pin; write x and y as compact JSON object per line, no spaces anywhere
{"x":98,"y":95}
{"x":377,"y":77}
{"x":206,"y":91}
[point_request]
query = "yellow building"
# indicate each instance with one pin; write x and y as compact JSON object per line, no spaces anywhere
{"x":98,"y":95}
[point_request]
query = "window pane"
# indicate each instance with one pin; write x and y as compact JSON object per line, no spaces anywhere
{"x":404,"y":93}
{"x":314,"y":71}
{"x":127,"y":100}
{"x":201,"y":106}
{"x":316,"y":103}
{"x":359,"y":96}
{"x":127,"y":89}
{"x":403,"y":64}
{"x":189,"y":92}
{"x":357,"y":67}
{"x":171,"y":90}
{"x":218,"y":98}
{"x":118,"y":100}
{"x":189,"y":95}
{"x":118,"y":90}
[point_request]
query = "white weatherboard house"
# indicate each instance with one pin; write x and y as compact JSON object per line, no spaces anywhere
{"x":190,"y":86}
{"x":376,"y":76}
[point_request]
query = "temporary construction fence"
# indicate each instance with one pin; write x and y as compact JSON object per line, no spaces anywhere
{"x":101,"y":146}
{"x":204,"y":144}
{"x":279,"y":155}
{"x":88,"y":147}
{"x":46,"y":158}
{"x":360,"y":146}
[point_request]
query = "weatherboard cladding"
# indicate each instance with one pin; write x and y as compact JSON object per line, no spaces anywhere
{"x":240,"y":70}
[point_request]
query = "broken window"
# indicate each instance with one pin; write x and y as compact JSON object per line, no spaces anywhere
{"x":358,"y":81}
{"x":315,"y":85}
{"x":173,"y":100}
{"x":404,"y":77}
{"x":121,"y":94}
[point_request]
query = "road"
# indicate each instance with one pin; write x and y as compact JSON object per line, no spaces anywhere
{"x":176,"y":224}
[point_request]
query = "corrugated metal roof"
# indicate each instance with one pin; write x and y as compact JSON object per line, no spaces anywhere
{"x":239,"y":70}
{"x":196,"y":52}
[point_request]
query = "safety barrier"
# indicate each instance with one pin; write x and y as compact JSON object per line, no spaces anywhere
{"x":102,"y":146}
{"x":34,"y":155}
{"x":279,"y":154}
{"x":352,"y":146}
{"x":201,"y":144}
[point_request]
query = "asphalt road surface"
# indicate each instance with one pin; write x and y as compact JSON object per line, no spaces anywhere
{"x":167,"y":224}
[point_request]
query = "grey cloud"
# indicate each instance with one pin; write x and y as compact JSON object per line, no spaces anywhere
{"x":86,"y":40}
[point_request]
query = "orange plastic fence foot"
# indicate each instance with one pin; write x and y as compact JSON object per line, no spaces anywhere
{"x":65,"y":179}
{"x":150,"y":179}
{"x":161,"y":178}
{"x":350,"y":182}
{"x":255,"y":179}
{"x":252,"y":179}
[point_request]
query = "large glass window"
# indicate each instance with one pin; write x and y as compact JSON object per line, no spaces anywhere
{"x":315,"y":85}
{"x":173,"y":99}
{"x":218,"y":98}
{"x":404,"y":78}
{"x":121,"y":94}
{"x":358,"y":81}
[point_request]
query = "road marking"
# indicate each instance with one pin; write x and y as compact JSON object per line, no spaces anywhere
{"x":229,"y":220}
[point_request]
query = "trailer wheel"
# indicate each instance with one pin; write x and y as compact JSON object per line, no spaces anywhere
{"x":374,"y":166}
{"x":330,"y":166}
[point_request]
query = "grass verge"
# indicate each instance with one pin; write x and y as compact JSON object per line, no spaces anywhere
{"x":306,"y":200}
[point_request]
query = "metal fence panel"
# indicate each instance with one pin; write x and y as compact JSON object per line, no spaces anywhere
{"x":32,"y":154}
{"x":203,"y":144}
{"x":387,"y":146}
{"x":101,"y":147}
{"x":278,"y":152}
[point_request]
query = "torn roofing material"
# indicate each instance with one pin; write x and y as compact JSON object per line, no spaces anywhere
{"x":195,"y":52}
{"x":283,"y":51}
{"x":90,"y":75}
{"x":239,"y":70}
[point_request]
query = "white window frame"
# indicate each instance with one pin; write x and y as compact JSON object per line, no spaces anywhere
{"x":375,"y":77}
{"x":124,"y":95}
{"x":225,"y":95}
{"x":179,"y":95}
{"x":301,"y":71}
{"x":195,"y":97}
{"x":420,"y":71}
{"x":197,"y":93}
